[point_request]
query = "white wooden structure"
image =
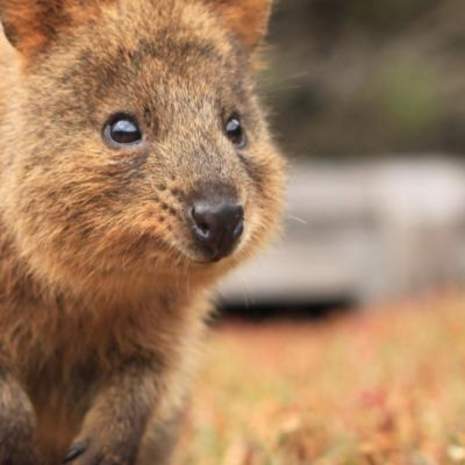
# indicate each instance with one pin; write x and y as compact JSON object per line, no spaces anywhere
{"x":362,"y":231}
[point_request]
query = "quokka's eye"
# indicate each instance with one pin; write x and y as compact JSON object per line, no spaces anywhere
{"x":122,"y":130}
{"x":235,"y":132}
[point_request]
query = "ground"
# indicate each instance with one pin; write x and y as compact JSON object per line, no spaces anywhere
{"x":379,"y":387}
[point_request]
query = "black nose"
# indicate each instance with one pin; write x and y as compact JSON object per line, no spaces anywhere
{"x":217,"y":226}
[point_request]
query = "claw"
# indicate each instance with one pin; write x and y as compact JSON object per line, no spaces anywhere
{"x":75,"y":451}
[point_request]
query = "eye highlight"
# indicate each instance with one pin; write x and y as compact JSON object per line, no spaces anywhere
{"x":235,"y":132}
{"x":122,"y":130}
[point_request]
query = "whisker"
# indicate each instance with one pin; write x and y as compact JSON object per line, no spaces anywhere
{"x":245,"y":292}
{"x":297,"y":219}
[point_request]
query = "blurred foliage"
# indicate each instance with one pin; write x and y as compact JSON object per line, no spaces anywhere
{"x":365,"y":77}
{"x":376,"y":388}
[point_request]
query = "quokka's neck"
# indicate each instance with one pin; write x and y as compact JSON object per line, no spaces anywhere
{"x":35,"y":318}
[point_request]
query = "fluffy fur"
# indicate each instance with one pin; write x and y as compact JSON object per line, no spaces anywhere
{"x":103,"y":292}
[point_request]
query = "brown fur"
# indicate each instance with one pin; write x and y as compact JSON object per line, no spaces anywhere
{"x":103,"y":293}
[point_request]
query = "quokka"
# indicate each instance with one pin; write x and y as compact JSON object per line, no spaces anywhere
{"x":136,"y":169}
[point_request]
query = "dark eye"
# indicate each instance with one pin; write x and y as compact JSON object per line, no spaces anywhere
{"x":235,"y":132}
{"x":122,"y":130}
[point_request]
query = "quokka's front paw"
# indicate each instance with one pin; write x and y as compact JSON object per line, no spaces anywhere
{"x":95,"y":451}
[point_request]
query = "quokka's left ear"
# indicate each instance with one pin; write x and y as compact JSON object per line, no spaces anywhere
{"x":248,"y":19}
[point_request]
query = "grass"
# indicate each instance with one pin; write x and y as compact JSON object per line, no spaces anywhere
{"x":383,"y":387}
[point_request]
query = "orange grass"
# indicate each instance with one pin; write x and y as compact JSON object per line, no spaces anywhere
{"x":383,"y":387}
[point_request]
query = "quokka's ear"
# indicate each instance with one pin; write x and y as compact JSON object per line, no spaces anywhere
{"x":248,"y":19}
{"x":30,"y":25}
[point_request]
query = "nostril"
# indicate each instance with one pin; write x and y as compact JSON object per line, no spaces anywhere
{"x":201,"y":225}
{"x":239,"y":229}
{"x":236,"y":221}
{"x":204,"y":228}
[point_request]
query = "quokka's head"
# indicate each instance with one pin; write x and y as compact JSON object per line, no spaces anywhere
{"x":135,"y":140}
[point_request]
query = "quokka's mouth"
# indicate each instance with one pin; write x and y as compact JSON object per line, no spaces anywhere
{"x":198,"y":253}
{"x":198,"y":256}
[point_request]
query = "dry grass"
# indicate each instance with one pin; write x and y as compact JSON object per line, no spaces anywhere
{"x":380,"y":388}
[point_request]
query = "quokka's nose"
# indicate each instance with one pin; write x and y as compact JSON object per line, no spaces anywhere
{"x":217,"y":226}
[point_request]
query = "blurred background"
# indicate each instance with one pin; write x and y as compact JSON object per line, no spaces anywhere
{"x":353,"y":78}
{"x":367,"y":99}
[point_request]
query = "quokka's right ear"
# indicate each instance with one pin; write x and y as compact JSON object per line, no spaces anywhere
{"x":30,"y":25}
